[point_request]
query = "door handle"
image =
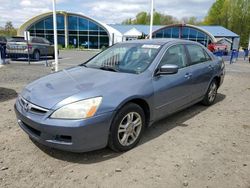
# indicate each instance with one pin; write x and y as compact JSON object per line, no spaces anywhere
{"x":188,"y":75}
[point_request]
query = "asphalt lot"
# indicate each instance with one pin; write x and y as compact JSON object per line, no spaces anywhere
{"x":198,"y":147}
{"x":67,"y":58}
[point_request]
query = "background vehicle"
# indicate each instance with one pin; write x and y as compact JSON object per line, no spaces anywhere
{"x":218,"y":49}
{"x":36,"y":48}
{"x":111,"y":98}
{"x":3,"y":42}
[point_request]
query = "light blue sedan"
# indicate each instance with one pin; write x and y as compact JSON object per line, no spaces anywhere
{"x":113,"y":97}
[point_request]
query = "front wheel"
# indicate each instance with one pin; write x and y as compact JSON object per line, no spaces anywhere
{"x":127,"y":127}
{"x":211,"y":94}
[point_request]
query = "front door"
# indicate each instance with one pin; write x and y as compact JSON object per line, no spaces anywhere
{"x":172,"y":91}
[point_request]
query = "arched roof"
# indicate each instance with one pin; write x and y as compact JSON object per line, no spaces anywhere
{"x":110,"y":30}
{"x":190,"y":26}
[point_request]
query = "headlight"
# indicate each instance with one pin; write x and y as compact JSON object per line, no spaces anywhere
{"x":78,"y":110}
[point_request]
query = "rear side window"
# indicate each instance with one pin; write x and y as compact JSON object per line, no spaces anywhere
{"x":37,"y":40}
{"x":175,"y":55}
{"x":197,"y":54}
{"x":46,"y":41}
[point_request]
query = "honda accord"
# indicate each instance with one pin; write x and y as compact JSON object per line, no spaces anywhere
{"x":110,"y":99}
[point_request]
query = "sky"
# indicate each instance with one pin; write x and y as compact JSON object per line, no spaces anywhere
{"x":107,"y":11}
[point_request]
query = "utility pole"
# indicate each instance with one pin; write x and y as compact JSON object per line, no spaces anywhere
{"x":55,"y":35}
{"x":249,"y":43}
{"x":151,"y":19}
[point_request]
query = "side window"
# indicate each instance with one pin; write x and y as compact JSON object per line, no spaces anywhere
{"x":34,"y":40}
{"x":208,"y":58}
{"x":197,"y":54}
{"x":37,"y":40}
{"x":46,"y":41}
{"x":40,"y":40}
{"x":175,"y":55}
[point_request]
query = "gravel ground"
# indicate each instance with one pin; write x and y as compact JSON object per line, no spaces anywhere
{"x":198,"y":147}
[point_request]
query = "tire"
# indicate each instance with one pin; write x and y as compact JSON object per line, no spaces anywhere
{"x":211,"y":94}
{"x":36,"y":55}
{"x":129,"y":133}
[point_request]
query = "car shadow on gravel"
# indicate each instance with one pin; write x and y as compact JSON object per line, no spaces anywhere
{"x":154,"y":131}
{"x":176,"y":120}
{"x":7,"y":94}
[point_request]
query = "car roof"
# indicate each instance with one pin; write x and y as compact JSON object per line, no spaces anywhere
{"x":161,"y":41}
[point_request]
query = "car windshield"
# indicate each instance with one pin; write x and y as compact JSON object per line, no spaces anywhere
{"x":17,"y":40}
{"x":125,"y":57}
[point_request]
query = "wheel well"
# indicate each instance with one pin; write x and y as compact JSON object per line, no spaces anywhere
{"x":36,"y":50}
{"x":144,"y":105}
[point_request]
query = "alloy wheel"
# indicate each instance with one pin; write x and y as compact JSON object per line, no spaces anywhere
{"x":129,"y":129}
{"x":212,"y":92}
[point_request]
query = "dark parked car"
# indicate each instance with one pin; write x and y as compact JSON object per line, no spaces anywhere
{"x":110,"y":99}
{"x":36,"y":47}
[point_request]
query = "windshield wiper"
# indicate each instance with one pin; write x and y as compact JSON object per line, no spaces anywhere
{"x":107,"y":68}
{"x":84,"y":65}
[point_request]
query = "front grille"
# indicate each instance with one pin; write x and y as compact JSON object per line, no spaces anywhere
{"x":29,"y":107}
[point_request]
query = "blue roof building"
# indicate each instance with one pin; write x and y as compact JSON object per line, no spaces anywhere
{"x":79,"y":30}
{"x":219,"y":31}
{"x":142,"y":28}
{"x":203,"y":34}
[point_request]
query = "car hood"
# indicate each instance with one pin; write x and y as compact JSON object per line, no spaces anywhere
{"x":74,"y":84}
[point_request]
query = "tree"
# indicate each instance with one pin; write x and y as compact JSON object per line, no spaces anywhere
{"x":143,"y":18}
{"x":8,"y":30}
{"x":8,"y":26}
{"x":127,"y":21}
{"x":191,"y":20}
{"x":232,"y":14}
{"x":215,"y":13}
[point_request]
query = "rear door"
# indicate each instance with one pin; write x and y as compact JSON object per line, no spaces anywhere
{"x":201,"y":69}
{"x":49,"y":47}
{"x":39,"y":44}
{"x":172,"y":91}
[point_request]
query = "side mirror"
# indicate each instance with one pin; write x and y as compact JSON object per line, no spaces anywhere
{"x":167,"y":69}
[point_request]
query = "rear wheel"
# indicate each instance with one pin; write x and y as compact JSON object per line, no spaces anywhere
{"x":127,"y":127}
{"x":211,"y":94}
{"x":36,"y":55}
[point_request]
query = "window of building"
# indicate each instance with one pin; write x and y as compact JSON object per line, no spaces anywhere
{"x":185,"y":33}
{"x":167,"y":33}
{"x":175,"y":32}
{"x":83,"y":24}
{"x":72,"y":23}
{"x":82,"y":32}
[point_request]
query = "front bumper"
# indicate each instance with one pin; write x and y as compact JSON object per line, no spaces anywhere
{"x":69,"y":135}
